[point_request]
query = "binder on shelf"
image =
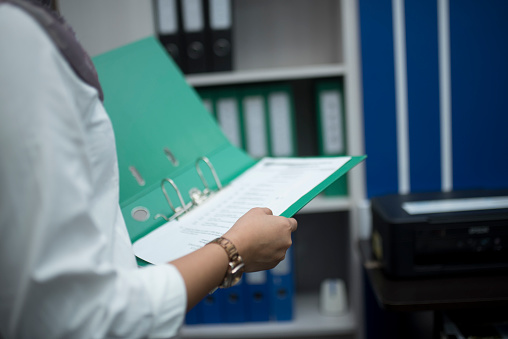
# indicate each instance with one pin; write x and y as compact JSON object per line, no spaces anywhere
{"x":256,"y":291}
{"x":331,"y":127}
{"x":194,"y":35}
{"x":228,"y":115}
{"x":234,"y":303}
{"x":220,"y":21}
{"x":169,"y":29}
{"x":255,"y":122}
{"x":281,"y":289}
{"x":211,"y":307}
{"x":194,"y":315}
{"x":207,"y":98}
{"x":168,"y":145}
{"x":281,"y":121}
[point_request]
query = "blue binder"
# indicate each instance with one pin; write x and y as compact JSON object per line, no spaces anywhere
{"x":281,"y":289}
{"x":234,"y":306}
{"x":211,"y":306}
{"x":194,"y":315}
{"x":256,"y":289}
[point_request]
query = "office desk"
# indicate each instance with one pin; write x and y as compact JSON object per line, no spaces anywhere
{"x":484,"y":294}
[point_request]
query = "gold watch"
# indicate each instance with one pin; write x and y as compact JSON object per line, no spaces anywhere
{"x":236,"y":265}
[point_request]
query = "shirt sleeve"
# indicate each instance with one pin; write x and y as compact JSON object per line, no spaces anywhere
{"x":58,"y":275}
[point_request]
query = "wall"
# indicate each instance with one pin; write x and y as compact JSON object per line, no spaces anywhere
{"x":103,"y":25}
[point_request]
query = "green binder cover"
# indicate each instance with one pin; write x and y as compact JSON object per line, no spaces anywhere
{"x":161,"y":128}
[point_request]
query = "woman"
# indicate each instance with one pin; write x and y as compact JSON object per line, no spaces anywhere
{"x":66,"y":262}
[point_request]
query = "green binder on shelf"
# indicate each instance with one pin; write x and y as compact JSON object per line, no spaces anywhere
{"x":161,"y":129}
{"x":254,"y":111}
{"x":331,"y":127}
{"x":229,"y":115}
{"x":281,"y":120}
{"x":207,"y":98}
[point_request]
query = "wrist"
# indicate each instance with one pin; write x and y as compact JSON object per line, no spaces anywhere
{"x":236,"y":265}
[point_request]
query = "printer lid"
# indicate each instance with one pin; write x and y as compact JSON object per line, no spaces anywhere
{"x":467,"y":205}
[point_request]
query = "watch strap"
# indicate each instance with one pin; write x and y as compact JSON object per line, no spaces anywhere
{"x":235,"y":265}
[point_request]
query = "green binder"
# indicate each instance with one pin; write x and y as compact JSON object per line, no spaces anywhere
{"x":228,"y":112}
{"x":281,"y":119}
{"x":161,"y":129}
{"x":331,"y":127}
{"x":207,"y":99}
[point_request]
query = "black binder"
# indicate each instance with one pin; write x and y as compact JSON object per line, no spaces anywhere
{"x":169,"y":29}
{"x":194,"y":35}
{"x":220,"y":22}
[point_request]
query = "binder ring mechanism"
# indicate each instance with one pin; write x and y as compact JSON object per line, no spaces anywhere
{"x":197,"y":196}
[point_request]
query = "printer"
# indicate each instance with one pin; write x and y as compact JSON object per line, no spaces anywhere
{"x":436,"y":233}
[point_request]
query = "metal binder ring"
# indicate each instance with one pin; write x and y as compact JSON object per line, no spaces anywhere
{"x":212,"y":169}
{"x":167,"y":196}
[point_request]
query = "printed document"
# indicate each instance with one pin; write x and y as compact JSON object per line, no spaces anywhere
{"x":276,"y":183}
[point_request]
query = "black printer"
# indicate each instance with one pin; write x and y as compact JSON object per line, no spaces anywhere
{"x":422,"y":234}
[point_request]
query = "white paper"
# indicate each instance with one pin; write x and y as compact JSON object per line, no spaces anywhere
{"x":276,"y":183}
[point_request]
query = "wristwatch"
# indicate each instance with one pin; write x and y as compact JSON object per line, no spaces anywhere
{"x":235,"y":266}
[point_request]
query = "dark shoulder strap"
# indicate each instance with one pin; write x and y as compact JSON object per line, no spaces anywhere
{"x":64,"y":38}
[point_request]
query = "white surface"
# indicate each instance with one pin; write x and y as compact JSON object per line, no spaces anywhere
{"x":455,"y":205}
{"x":322,"y":203}
{"x":103,"y":25}
{"x":266,"y":74}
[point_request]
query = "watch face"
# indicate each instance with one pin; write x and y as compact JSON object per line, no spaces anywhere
{"x":236,"y":272}
{"x":236,"y":279}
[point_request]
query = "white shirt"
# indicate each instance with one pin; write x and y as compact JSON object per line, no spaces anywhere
{"x":66,"y":264}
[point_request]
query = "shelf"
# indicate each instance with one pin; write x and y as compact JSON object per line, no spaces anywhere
{"x":322,"y":204}
{"x":308,"y":322}
{"x":262,"y":75}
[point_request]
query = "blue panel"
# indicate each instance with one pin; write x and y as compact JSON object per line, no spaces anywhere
{"x":379,"y":96}
{"x":423,"y":95}
{"x":479,"y":67}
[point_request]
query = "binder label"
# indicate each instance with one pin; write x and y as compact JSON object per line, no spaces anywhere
{"x":220,"y":14}
{"x":227,"y":114}
{"x":167,"y":16}
{"x":193,"y":20}
{"x":331,"y":122}
{"x":255,"y":125}
{"x":280,"y":124}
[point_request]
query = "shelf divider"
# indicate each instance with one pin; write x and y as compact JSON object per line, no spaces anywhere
{"x":262,"y":75}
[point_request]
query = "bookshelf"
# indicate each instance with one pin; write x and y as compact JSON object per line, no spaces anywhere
{"x":268,"y":38}
{"x":273,"y":41}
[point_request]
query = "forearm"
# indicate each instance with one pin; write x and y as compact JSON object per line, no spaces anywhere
{"x":202,"y":271}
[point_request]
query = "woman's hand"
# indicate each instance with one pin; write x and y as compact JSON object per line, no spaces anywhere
{"x":261,"y":238}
